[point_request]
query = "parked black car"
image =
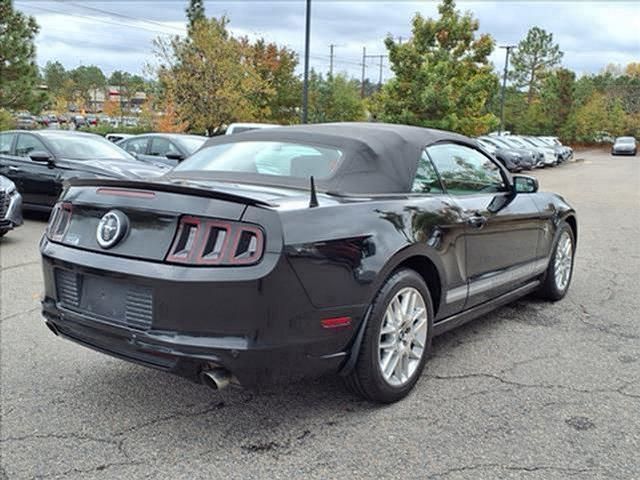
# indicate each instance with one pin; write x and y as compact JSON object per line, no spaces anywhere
{"x":511,"y":160}
{"x":166,"y":149}
{"x":528,"y":159}
{"x":10,"y":206}
{"x":624,"y":146}
{"x":39,"y":162}
{"x":301,"y":250}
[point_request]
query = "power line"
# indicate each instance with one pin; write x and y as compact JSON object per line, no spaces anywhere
{"x":121,"y":15}
{"x":94,"y":19}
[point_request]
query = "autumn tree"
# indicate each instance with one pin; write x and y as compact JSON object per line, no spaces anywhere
{"x":534,"y":57}
{"x":275,"y":67}
{"x":168,"y":120}
{"x":211,"y":78}
{"x":443,"y":77}
{"x":18,"y":70}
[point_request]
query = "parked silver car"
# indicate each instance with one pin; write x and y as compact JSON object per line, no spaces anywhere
{"x":624,"y":146}
{"x":10,"y":206}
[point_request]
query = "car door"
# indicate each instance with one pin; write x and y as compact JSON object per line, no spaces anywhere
{"x":502,"y":229}
{"x":136,"y":146}
{"x":9,"y":166}
{"x":160,"y":147}
{"x":40,"y":182}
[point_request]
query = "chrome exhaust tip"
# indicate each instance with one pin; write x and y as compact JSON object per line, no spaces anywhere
{"x":217,"y":379}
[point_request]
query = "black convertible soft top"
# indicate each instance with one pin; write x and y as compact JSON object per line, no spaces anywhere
{"x":378,"y":157}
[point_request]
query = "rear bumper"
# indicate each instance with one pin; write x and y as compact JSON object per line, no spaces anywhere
{"x":188,"y":355}
{"x":263,"y":330}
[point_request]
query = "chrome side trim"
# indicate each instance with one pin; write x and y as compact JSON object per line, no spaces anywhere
{"x":456,"y":294}
{"x":512,"y":275}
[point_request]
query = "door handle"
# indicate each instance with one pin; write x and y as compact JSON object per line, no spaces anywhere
{"x":13,"y":169}
{"x":477,"y":221}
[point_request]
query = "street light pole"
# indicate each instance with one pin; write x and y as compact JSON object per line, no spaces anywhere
{"x":504,"y":85}
{"x":305,"y":85}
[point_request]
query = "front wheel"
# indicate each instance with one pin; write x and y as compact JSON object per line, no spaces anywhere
{"x":396,"y":341}
{"x":560,"y":270}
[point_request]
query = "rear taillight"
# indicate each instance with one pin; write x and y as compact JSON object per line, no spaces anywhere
{"x":59,"y":221}
{"x":203,"y":241}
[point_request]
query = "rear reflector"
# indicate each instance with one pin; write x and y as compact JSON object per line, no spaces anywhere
{"x":336,"y":322}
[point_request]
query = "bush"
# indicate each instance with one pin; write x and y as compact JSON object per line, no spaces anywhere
{"x":6,"y":120}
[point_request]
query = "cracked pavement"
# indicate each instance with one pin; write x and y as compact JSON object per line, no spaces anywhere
{"x":531,"y":391}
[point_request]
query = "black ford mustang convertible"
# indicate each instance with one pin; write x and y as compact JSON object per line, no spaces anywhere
{"x":297,"y":251}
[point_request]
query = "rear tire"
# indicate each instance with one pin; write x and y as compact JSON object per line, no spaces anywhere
{"x":558,"y":276}
{"x":399,"y":329}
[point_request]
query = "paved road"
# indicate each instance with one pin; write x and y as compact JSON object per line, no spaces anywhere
{"x":532,"y":391}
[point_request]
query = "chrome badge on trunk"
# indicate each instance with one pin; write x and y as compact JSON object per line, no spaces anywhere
{"x":112,"y":228}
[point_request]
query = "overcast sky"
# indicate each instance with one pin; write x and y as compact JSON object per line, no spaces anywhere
{"x":117,"y":35}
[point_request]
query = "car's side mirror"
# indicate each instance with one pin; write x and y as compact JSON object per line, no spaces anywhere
{"x":524,"y":184}
{"x":41,"y":156}
{"x":175,"y":156}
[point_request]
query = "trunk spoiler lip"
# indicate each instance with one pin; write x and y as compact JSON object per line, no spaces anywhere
{"x":169,"y":188}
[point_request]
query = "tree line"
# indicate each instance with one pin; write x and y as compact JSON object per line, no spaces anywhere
{"x":443,"y":78}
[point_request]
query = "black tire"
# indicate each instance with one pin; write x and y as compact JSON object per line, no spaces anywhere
{"x":366,"y":379}
{"x":549,"y":289}
{"x":3,"y":233}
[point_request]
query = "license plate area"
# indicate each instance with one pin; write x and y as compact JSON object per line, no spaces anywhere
{"x":106,"y":299}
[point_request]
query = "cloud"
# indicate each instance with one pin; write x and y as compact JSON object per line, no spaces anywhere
{"x":592,"y":34}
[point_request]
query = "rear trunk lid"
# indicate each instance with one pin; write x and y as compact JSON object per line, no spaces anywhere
{"x":153,"y":213}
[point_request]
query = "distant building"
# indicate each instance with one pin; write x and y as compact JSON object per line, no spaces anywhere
{"x":112,"y":93}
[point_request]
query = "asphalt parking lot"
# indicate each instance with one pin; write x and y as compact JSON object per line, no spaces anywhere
{"x":533,"y":390}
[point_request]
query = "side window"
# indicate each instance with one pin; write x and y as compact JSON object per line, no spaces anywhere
{"x":160,"y":147}
{"x":465,"y":171}
{"x":426,"y":180}
{"x":136,"y":145}
{"x":27,"y":144}
{"x":6,"y":139}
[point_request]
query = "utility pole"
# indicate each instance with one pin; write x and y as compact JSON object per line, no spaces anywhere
{"x":305,"y":85}
{"x":331,"y":47}
{"x":504,"y":84}
{"x":364,"y":65}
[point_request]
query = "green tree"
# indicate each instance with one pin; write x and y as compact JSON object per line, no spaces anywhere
{"x":55,"y":77}
{"x":443,"y":78}
{"x":556,"y":99}
{"x":334,"y":99}
{"x":195,"y":13}
{"x":18,"y":70}
{"x":591,"y":118}
{"x":87,"y":79}
{"x":535,"y":56}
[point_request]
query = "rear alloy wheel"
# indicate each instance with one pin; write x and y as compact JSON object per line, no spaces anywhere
{"x":402,"y":337}
{"x":397,"y":340}
{"x":560,"y":269}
